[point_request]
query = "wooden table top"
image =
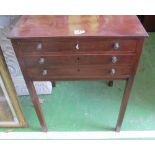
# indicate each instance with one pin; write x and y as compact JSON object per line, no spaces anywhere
{"x":71,"y":26}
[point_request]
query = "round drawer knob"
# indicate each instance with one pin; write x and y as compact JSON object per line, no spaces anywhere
{"x":116,"y":46}
{"x":114,"y":59}
{"x":113,"y":71}
{"x":41,"y":60}
{"x":39,"y":46}
{"x":44,"y":72}
{"x":77,"y":46}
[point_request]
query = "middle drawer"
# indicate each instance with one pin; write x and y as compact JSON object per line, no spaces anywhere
{"x":74,"y":60}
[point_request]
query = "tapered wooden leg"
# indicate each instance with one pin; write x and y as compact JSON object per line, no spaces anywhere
{"x":53,"y":83}
{"x":124,"y":103}
{"x":36,"y":104}
{"x":110,"y":83}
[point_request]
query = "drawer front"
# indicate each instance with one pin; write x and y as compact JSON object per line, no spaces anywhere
{"x":77,"y":60}
{"x":76,"y":45}
{"x":47,"y":61}
{"x":106,"y":59}
{"x":59,"y":73}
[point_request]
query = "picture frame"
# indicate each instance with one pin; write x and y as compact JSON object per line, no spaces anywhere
{"x":11,"y":114}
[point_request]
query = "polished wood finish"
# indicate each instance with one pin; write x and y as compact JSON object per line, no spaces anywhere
{"x":84,"y":72}
{"x":78,"y":60}
{"x":124,"y":103}
{"x":128,"y":86}
{"x":70,"y":44}
{"x":66,"y":26}
{"x":78,"y":48}
{"x":36,"y":103}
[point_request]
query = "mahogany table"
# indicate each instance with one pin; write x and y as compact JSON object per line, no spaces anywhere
{"x":78,"y":48}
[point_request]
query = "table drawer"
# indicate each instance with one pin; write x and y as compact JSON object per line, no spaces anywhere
{"x":59,"y":73}
{"x":106,"y":59}
{"x":47,"y":61}
{"x":74,"y":60}
{"x":76,"y":45}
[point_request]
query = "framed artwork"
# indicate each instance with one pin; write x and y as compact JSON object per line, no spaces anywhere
{"x":11,"y":114}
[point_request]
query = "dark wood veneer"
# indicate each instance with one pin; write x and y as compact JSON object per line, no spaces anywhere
{"x":85,"y":44}
{"x":78,"y":48}
{"x":83,"y":72}
{"x":78,"y":60}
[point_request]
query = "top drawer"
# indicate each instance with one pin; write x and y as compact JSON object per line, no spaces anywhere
{"x":82,"y":45}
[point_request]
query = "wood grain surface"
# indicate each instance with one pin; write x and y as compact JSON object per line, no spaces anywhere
{"x":78,"y":48}
{"x":70,"y":26}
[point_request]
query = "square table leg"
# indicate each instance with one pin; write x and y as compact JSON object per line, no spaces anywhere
{"x":53,"y":83}
{"x":110,"y":83}
{"x":36,"y":104}
{"x":124,"y":103}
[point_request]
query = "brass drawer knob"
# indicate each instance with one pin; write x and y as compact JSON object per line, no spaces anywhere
{"x":39,"y":46}
{"x":113,"y":71}
{"x":114,"y":59}
{"x":41,"y":61}
{"x":77,"y":47}
{"x":116,"y":45}
{"x":44,"y":72}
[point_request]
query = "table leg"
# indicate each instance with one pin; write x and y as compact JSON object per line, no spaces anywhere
{"x":110,"y":83}
{"x":36,"y":104}
{"x":53,"y":83}
{"x":124,"y":103}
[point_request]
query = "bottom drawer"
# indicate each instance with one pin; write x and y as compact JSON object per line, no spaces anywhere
{"x":71,"y":73}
